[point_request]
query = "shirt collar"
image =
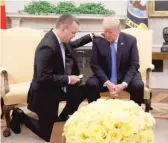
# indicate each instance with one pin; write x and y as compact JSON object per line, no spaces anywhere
{"x":116,"y":41}
{"x":54,"y":31}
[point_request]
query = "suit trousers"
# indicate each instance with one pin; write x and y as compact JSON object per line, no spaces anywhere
{"x":43,"y":126}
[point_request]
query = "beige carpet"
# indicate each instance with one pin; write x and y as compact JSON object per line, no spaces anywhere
{"x":160,"y":103}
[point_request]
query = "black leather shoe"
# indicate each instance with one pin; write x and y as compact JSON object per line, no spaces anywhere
{"x":151,"y":108}
{"x":62,"y":118}
{"x":15,"y":122}
{"x":21,"y":114}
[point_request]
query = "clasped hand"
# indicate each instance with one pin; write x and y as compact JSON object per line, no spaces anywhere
{"x":115,"y":89}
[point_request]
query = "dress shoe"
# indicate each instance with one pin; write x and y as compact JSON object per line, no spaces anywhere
{"x":62,"y":118}
{"x":15,"y":122}
{"x":151,"y":108}
{"x":21,"y":114}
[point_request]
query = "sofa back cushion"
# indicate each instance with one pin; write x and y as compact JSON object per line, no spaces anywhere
{"x":17,"y":52}
{"x":144,"y":43}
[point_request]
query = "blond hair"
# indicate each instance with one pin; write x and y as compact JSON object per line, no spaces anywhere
{"x":111,"y":22}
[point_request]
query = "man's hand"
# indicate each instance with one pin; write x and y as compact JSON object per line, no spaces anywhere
{"x":74,"y":79}
{"x":98,"y":35}
{"x":111,"y":87}
{"x":119,"y":87}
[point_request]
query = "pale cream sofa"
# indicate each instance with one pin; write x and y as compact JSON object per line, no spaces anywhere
{"x":16,"y":64}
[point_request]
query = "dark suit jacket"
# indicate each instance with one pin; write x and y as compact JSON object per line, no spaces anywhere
{"x":49,"y":74}
{"x":127,"y":58}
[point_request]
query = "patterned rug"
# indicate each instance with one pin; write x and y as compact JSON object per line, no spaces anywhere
{"x":160,"y":110}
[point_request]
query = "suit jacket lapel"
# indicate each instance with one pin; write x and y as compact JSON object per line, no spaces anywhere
{"x":109,"y":59}
{"x":119,"y":50}
{"x":68,"y":49}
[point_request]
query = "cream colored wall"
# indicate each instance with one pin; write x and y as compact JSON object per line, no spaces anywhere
{"x":157,"y":25}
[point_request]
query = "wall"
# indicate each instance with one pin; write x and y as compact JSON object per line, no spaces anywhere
{"x":15,"y":5}
{"x":157,"y":25}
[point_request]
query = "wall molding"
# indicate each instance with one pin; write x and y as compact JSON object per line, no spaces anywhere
{"x":54,"y":16}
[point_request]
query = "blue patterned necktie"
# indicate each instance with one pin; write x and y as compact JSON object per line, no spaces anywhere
{"x":63,"y":53}
{"x":63,"y":56}
{"x":113,"y":78}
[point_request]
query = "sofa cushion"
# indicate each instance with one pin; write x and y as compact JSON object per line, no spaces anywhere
{"x":126,"y":95}
{"x":18,"y":47}
{"x":17,"y":94}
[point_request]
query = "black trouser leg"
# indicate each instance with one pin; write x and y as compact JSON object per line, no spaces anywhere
{"x":75,"y":96}
{"x":136,"y":89}
{"x":93,"y":89}
{"x":42,"y":127}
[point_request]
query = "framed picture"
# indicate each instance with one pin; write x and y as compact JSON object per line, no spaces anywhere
{"x":158,"y":8}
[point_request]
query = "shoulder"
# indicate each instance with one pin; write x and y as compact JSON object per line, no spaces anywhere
{"x":48,"y":41}
{"x":128,"y":37}
{"x":99,"y":40}
{"x":44,"y":45}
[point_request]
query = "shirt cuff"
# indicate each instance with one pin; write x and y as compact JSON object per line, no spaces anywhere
{"x":69,"y":80}
{"x":104,"y":85}
{"x":126,"y":84}
{"x":92,"y":36}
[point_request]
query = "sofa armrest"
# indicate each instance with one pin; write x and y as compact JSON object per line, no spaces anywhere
{"x":148,"y":75}
{"x":151,"y":67}
{"x":4,"y":88}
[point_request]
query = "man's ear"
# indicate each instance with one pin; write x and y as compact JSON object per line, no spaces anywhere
{"x":63,"y":27}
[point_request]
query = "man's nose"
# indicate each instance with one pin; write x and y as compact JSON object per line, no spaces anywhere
{"x":107,"y":34}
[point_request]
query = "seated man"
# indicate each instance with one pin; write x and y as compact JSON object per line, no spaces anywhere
{"x":115,"y":64}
